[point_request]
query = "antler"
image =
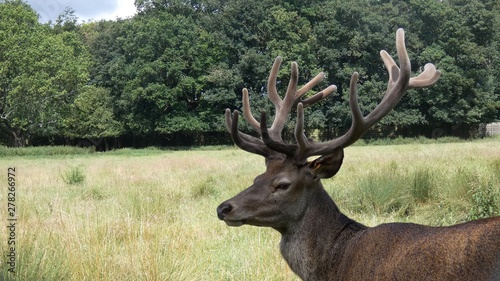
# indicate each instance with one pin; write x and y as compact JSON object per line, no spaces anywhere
{"x":271,"y":142}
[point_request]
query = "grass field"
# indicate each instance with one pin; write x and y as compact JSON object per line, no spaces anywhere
{"x":150,"y":214}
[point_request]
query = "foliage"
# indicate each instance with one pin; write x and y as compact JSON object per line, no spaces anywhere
{"x":484,"y":203}
{"x":39,"y":74}
{"x":91,"y":115}
{"x":73,"y":176}
{"x":176,"y":65}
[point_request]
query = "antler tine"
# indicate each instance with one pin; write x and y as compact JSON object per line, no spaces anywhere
{"x":285,"y":105}
{"x":299,"y":130}
{"x":247,"y":112}
{"x":242,"y":140}
{"x":309,"y":149}
{"x":300,"y":137}
{"x":273,"y":143}
{"x":271,"y":82}
{"x":399,"y":83}
{"x":427,"y":78}
{"x":318,"y":96}
{"x":315,"y":81}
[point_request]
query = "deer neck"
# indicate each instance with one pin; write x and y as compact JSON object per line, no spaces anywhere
{"x":317,"y":241}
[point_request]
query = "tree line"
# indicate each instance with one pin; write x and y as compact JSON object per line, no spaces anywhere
{"x":166,"y":75}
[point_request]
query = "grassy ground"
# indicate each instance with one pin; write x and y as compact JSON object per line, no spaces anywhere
{"x":150,"y":214}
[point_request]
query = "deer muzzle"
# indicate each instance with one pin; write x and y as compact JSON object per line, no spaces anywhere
{"x":223,"y":212}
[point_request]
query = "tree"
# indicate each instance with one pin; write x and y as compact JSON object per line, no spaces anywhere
{"x":91,"y":116}
{"x":155,"y":66}
{"x":66,"y":21}
{"x":175,"y":66}
{"x":39,"y":74}
{"x":465,"y":50}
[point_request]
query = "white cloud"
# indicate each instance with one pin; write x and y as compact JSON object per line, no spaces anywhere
{"x":84,"y":10}
{"x":123,"y":9}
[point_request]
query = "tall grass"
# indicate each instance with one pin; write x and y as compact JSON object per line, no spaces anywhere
{"x":150,"y":215}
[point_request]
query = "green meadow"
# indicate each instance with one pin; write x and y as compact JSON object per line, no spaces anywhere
{"x":149,"y":214}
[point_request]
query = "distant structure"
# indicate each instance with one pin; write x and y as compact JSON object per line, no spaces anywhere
{"x":493,"y":129}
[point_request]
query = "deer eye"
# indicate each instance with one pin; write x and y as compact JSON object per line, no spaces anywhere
{"x":283,"y":186}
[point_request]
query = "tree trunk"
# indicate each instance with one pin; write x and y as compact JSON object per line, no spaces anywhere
{"x":18,"y":138}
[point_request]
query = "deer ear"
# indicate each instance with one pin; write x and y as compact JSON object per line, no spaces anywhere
{"x":327,"y":165}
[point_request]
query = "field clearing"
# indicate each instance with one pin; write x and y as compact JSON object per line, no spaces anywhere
{"x":150,"y":214}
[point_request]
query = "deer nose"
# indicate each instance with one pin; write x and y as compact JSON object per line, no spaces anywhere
{"x":224,"y":209}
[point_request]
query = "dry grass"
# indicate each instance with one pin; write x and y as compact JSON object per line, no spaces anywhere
{"x":151,"y":216}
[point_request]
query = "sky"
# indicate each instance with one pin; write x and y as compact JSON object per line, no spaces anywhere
{"x":85,"y":10}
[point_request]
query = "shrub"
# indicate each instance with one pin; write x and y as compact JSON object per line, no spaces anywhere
{"x":73,"y":176}
{"x":206,"y":187}
{"x":483,"y":203}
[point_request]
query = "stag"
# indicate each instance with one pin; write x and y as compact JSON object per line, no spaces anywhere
{"x":318,"y":241}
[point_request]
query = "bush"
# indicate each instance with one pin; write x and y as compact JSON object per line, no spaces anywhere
{"x":205,"y":187}
{"x":483,"y":203}
{"x":74,"y":176}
